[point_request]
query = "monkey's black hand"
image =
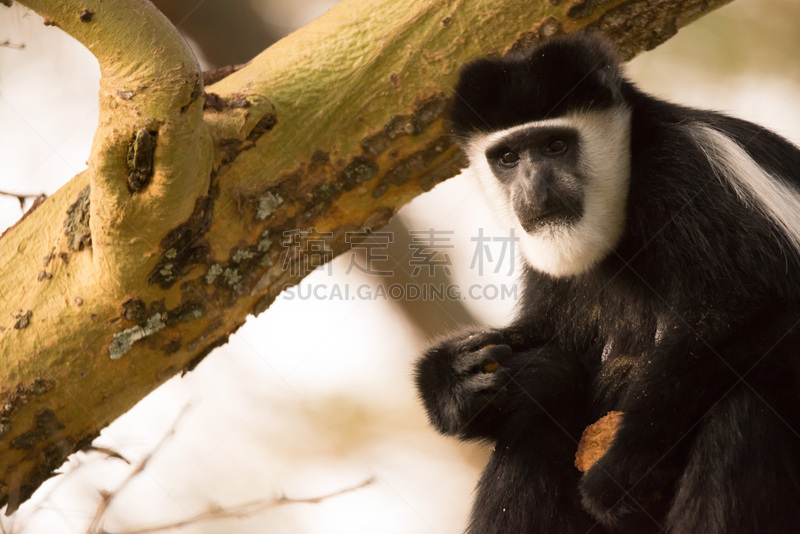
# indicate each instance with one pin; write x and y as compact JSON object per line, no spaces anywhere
{"x":625,"y":490}
{"x":462,"y":382}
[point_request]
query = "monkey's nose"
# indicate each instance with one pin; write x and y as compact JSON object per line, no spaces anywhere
{"x":535,"y":188}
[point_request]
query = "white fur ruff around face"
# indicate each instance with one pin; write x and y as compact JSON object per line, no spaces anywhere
{"x":604,"y":162}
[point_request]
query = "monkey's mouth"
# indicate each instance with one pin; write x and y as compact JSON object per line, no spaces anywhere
{"x":558,"y":212}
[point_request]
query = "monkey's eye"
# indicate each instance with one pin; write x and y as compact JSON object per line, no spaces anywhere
{"x":509,"y":158}
{"x":555,"y":147}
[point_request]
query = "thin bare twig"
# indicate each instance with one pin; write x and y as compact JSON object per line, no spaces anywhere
{"x":15,"y":46}
{"x":59,"y":482}
{"x":95,"y":527}
{"x":111,"y":453}
{"x":243,"y":510}
{"x":21,"y":197}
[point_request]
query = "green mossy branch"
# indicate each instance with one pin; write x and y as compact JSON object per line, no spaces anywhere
{"x":189,"y":195}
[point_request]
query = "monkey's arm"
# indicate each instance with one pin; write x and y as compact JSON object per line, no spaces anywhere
{"x":667,"y":403}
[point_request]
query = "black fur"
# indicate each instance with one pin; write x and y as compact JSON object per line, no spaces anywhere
{"x":697,"y":307}
{"x":587,"y":78}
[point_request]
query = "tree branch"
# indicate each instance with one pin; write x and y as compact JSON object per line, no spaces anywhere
{"x":151,"y":155}
{"x":109,"y":290}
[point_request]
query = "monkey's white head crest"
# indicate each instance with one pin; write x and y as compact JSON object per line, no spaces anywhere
{"x":602,"y":172}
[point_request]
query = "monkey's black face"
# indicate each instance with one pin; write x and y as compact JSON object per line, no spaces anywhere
{"x":537,"y":169}
{"x":561,"y":183}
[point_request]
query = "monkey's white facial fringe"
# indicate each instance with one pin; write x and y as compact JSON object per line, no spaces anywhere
{"x":754,"y":186}
{"x":604,"y":162}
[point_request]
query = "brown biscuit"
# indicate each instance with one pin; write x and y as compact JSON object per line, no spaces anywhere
{"x":596,"y":439}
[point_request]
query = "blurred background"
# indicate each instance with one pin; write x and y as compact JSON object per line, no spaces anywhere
{"x":316,"y":394}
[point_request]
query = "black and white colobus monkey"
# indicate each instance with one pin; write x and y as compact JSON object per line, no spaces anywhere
{"x":662,"y":279}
